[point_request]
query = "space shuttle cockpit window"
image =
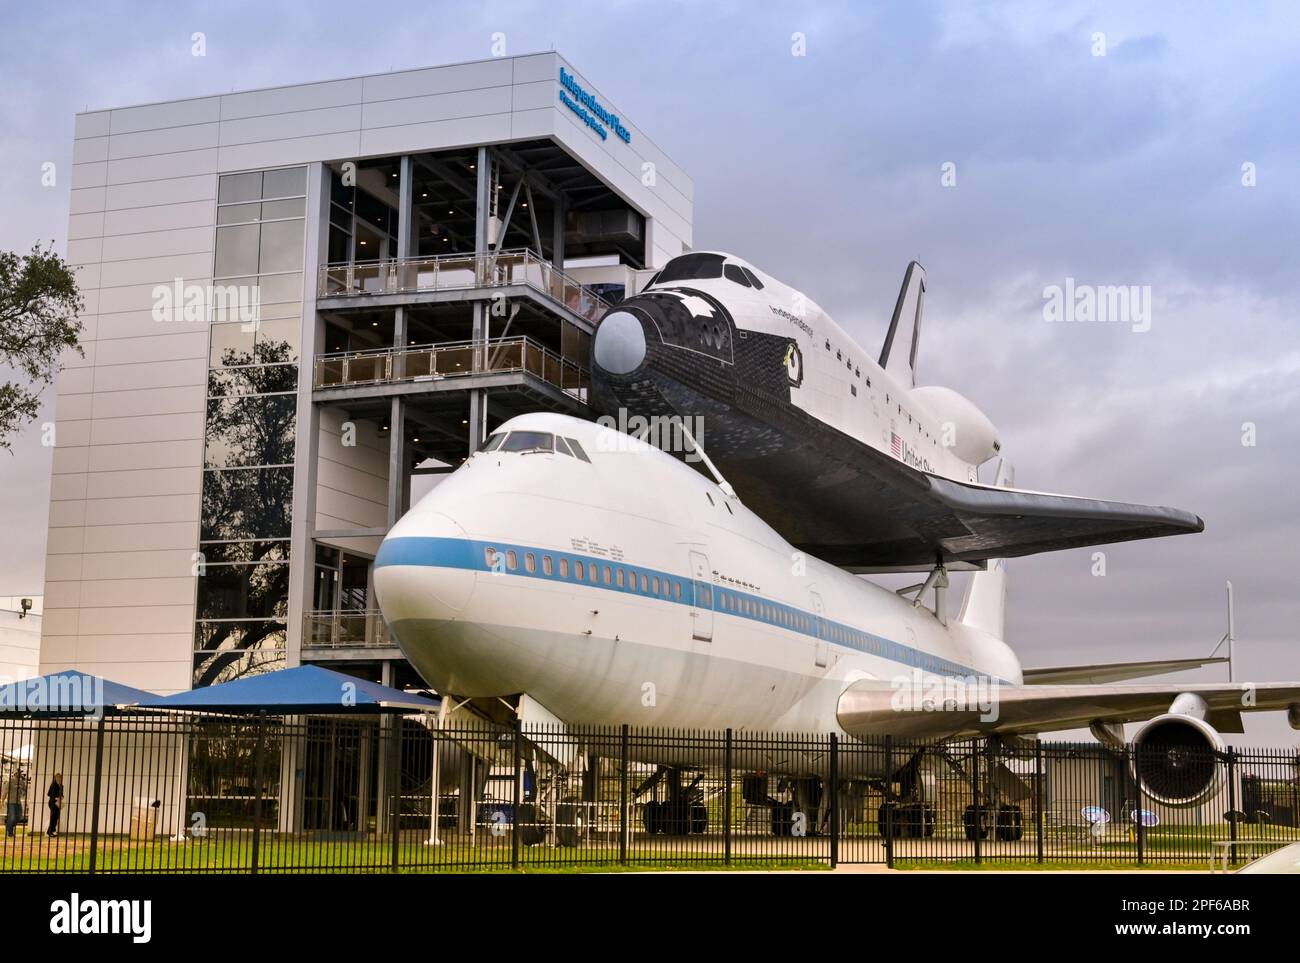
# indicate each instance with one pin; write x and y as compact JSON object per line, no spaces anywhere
{"x":734,"y":272}
{"x":691,"y":267}
{"x":529,"y":441}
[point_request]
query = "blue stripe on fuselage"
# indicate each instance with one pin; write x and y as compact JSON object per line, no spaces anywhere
{"x":471,"y":554}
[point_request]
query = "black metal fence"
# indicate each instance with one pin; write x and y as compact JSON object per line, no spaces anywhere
{"x":153,"y":793}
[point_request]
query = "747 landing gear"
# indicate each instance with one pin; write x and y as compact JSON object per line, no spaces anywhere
{"x":1006,"y":821}
{"x":683,"y":813}
{"x":913,"y":820}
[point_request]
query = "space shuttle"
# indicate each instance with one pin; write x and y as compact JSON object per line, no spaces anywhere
{"x":842,"y":452}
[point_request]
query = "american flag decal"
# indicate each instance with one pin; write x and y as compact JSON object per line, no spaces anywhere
{"x":895,"y":445}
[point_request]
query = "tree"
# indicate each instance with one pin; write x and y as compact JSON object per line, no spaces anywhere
{"x":39,"y":304}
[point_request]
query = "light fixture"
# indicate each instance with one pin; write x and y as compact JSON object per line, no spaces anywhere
{"x":374,"y":324}
{"x":525,"y":204}
{"x":415,"y":439}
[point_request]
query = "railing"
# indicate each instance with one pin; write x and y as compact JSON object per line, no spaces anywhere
{"x":460,"y":272}
{"x":453,"y":359}
{"x":179,"y":792}
{"x":345,"y":629}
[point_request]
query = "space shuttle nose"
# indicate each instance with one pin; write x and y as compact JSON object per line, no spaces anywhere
{"x":619,"y":346}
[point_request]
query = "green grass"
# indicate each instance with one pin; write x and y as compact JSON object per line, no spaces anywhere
{"x":1058,"y":865}
{"x":231,"y":851}
{"x":70,"y":854}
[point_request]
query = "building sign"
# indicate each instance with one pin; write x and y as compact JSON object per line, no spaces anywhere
{"x":593,"y":114}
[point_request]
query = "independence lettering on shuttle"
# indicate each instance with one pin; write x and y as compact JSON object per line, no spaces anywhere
{"x":592,"y":112}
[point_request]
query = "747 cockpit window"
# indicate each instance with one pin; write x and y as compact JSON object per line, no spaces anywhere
{"x":494,"y":442}
{"x":522,"y":441}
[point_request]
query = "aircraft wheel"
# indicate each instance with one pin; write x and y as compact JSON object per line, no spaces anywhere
{"x":650,"y":815}
{"x":882,"y":819}
{"x":571,"y":824}
{"x":531,"y":832}
{"x":914,"y":820}
{"x":976,"y":820}
{"x":1011,"y":826}
{"x":699,"y":819}
{"x":782,"y":819}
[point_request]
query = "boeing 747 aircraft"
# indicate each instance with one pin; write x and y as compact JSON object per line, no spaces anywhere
{"x":600,"y":580}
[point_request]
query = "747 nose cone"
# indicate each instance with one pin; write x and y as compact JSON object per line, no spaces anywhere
{"x":620,"y":343}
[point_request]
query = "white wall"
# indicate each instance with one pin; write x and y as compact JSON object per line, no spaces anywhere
{"x":351,"y":481}
{"x":20,"y":638}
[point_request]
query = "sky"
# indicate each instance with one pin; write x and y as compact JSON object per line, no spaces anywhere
{"x":1007,"y":146}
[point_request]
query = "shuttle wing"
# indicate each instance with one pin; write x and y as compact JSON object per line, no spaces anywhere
{"x":907,"y":517}
{"x":870,"y":708}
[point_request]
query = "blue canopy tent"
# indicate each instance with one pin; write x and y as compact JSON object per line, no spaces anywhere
{"x":67,"y":693}
{"x":305,"y":690}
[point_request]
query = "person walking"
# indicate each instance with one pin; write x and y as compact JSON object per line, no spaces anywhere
{"x":55,"y":794}
{"x":13,"y":801}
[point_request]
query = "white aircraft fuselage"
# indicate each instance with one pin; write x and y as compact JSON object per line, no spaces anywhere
{"x":628,"y":588}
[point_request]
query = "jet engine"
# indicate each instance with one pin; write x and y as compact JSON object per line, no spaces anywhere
{"x":973,"y":438}
{"x":1175,"y":759}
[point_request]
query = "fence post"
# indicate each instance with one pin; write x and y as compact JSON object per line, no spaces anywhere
{"x":889,"y":802}
{"x":1141,"y":823}
{"x":623,"y":815}
{"x":257,"y":787}
{"x":977,"y":822}
{"x":518,"y":778}
{"x":726,"y":801}
{"x":99,"y":772}
{"x":395,"y":781}
{"x":835,"y":800}
{"x":1232,"y":800}
{"x":1038,"y":794}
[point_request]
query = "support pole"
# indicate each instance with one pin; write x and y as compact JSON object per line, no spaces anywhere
{"x":1038,"y":795}
{"x":396,"y":460}
{"x":435,"y":769}
{"x":835,"y":800}
{"x":99,"y":774}
{"x":623,"y":814}
{"x":257,"y":787}
{"x":517,"y":737}
{"x":726,"y":799}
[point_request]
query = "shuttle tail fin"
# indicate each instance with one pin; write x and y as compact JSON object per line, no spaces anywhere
{"x":985,"y":605}
{"x":898,"y":355}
